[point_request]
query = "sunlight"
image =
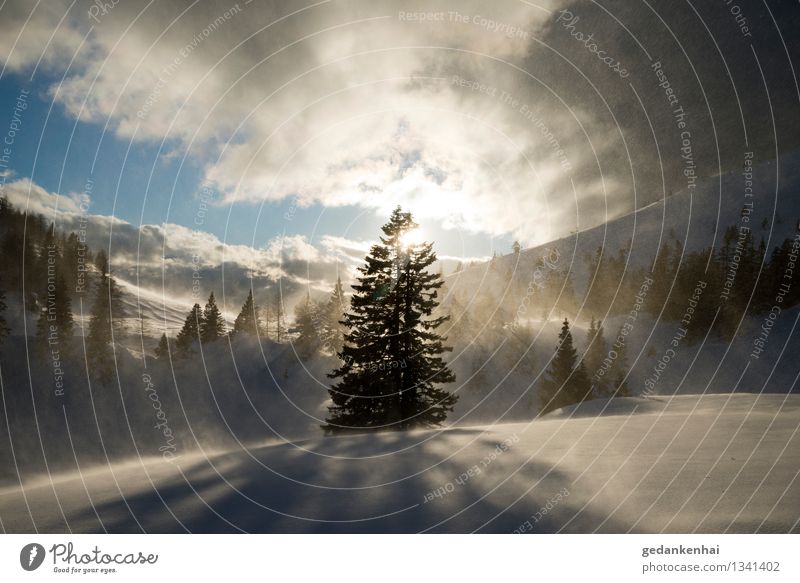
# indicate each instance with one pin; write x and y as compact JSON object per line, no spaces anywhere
{"x":412,"y":238}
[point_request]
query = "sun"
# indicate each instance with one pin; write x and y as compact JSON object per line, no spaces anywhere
{"x":412,"y":238}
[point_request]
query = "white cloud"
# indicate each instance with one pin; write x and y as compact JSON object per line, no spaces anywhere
{"x":349,"y":104}
{"x":27,"y":195}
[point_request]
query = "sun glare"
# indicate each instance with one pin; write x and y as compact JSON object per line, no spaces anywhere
{"x":412,"y":237}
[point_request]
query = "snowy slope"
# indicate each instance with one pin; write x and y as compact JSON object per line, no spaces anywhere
{"x":698,"y":220}
{"x":717,"y":463}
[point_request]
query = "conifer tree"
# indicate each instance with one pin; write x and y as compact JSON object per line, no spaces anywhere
{"x":566,"y":382}
{"x":392,"y":360}
{"x":162,"y":350}
{"x":332,"y":327}
{"x":247,"y":320}
{"x":4,"y":329}
{"x":105,"y":316}
{"x":212,"y":326}
{"x":190,"y":331}
{"x":55,"y":324}
{"x":305,"y":317}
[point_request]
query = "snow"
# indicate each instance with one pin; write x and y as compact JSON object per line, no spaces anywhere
{"x":704,"y":463}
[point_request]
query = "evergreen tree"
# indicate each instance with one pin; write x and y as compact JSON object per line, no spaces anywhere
{"x":190,"y":331}
{"x":247,"y":320}
{"x":392,"y":360}
{"x":4,"y":329}
{"x":162,"y":350}
{"x":55,"y":325}
{"x":105,"y":316}
{"x":566,"y":382}
{"x":212,"y":326}
{"x":305,"y":316}
{"x":47,"y":259}
{"x":332,"y":327}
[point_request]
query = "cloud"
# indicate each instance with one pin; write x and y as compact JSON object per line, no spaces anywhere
{"x":172,"y":258}
{"x":27,"y":195}
{"x":489,"y":118}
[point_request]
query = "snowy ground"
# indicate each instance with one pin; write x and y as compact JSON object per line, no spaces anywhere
{"x":717,"y":463}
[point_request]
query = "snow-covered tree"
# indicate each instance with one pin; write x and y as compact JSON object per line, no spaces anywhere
{"x":392,"y":362}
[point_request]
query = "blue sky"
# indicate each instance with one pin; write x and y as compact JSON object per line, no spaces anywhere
{"x":61,"y":153}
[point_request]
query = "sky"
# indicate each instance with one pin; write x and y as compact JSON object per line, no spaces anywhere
{"x":271,"y":140}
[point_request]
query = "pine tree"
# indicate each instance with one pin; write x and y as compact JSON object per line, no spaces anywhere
{"x":212,"y":326}
{"x":104,"y":320}
{"x":55,"y":325}
{"x":162,"y":350}
{"x":190,"y":331}
{"x":566,"y":382}
{"x":596,"y":351}
{"x":247,"y":320}
{"x":392,"y":354}
{"x":332,"y":327}
{"x":4,"y":329}
{"x":305,"y":316}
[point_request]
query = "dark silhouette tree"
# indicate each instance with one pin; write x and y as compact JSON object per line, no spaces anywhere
{"x":4,"y":329}
{"x":392,"y":360}
{"x":162,"y":350}
{"x":566,"y":382}
{"x":212,"y":326}
{"x":104,"y":321}
{"x":190,"y":331}
{"x":247,"y":322}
